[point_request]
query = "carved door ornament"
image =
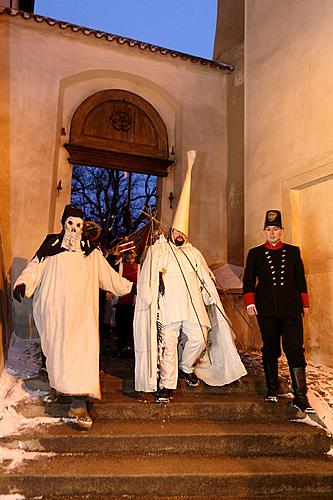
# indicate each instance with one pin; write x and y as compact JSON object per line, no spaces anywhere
{"x":121,"y":120}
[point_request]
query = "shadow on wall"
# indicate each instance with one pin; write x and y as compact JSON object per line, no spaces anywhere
{"x":22,"y":352}
{"x":23,"y":322}
{"x":5,"y":325}
{"x":5,"y":241}
{"x":5,"y":308}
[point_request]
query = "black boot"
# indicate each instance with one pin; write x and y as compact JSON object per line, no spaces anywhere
{"x":298,"y":384}
{"x":271,"y":370}
{"x":164,"y":395}
{"x":190,"y":378}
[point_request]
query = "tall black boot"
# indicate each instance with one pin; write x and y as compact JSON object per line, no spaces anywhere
{"x":271,"y":370}
{"x":298,"y":384}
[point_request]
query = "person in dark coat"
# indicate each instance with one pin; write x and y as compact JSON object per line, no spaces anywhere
{"x":275,"y":291}
{"x":129,"y":269}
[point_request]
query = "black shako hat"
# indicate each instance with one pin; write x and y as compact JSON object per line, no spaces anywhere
{"x":71,"y":211}
{"x":273,"y":218}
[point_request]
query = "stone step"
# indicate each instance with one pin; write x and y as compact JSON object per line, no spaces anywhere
{"x":295,"y":496}
{"x":176,"y":436}
{"x":112,"y":384}
{"x":198,"y":475}
{"x":192,"y":405}
{"x":246,"y":385}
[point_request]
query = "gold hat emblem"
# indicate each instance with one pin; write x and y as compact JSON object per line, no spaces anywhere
{"x":272,"y":216}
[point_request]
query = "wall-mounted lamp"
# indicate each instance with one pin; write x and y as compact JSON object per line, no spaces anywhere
{"x":171,"y":198}
{"x":172,"y":152}
{"x":59,"y":187}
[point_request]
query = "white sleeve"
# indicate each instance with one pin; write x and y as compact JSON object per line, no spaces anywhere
{"x":109,"y":279}
{"x":30,"y":276}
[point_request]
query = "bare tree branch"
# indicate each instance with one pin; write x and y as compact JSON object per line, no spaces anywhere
{"x":105,"y":197}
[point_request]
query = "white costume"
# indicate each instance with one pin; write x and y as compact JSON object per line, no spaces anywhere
{"x":188,"y":289}
{"x":176,"y":293}
{"x":65,"y":290}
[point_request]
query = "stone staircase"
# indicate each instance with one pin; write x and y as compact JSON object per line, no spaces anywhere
{"x":208,"y":443}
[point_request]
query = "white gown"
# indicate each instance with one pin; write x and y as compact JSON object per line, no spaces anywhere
{"x":65,"y":290}
{"x":223,"y":365}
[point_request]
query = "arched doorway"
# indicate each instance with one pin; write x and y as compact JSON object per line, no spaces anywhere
{"x":118,"y":131}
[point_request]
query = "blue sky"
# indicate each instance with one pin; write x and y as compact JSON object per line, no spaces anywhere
{"x":184,"y":25}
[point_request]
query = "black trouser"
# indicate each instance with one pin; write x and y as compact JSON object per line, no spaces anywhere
{"x":124,"y":324}
{"x":291,"y":331}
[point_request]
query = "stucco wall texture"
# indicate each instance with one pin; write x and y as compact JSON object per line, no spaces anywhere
{"x":46,"y":72}
{"x":288,"y":142}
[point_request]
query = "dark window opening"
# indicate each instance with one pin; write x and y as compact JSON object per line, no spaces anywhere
{"x":116,"y":200}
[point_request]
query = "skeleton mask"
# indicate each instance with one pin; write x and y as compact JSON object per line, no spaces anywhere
{"x":73,"y":233}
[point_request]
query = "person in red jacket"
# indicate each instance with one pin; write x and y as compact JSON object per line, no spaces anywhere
{"x":275,"y":291}
{"x":128,"y":268}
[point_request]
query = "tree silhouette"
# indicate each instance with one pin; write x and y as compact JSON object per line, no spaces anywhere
{"x":113,"y":198}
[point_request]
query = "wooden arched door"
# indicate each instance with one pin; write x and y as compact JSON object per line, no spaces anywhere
{"x":119,"y":130}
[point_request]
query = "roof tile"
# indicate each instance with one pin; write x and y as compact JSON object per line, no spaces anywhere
{"x":116,"y":38}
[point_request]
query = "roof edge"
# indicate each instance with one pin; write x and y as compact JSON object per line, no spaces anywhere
{"x":110,"y":37}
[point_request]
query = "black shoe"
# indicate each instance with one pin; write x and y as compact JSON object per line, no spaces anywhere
{"x":51,"y":397}
{"x":164,"y":395}
{"x":190,"y":378}
{"x":271,"y":398}
{"x":302,"y":403}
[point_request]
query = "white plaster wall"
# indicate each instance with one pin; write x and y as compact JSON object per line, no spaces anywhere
{"x":288,"y":141}
{"x":289,"y":83}
{"x":51,"y":71}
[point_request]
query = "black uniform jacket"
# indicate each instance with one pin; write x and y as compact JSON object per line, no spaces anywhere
{"x":274,"y":280}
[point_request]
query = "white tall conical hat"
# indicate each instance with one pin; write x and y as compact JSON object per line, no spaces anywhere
{"x":182,"y":215}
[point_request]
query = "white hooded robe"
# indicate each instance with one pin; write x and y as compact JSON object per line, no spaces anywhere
{"x":65,"y":290}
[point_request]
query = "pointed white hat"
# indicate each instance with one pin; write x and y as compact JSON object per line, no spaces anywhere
{"x":182,"y":215}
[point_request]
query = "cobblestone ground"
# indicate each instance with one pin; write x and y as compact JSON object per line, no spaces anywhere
{"x":319,"y":377}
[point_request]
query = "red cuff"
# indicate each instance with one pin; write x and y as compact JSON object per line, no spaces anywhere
{"x":249,"y":298}
{"x":305,"y":299}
